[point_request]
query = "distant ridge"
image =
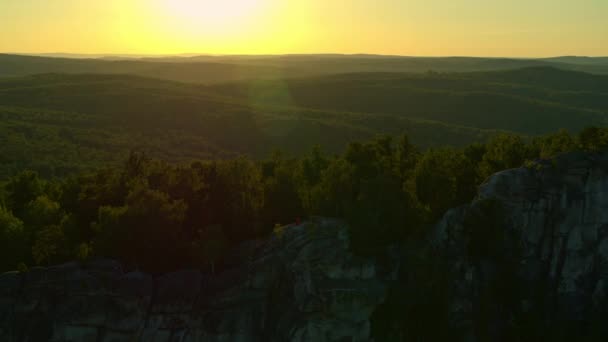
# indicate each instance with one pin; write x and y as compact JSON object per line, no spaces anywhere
{"x":217,"y":69}
{"x":329,"y":54}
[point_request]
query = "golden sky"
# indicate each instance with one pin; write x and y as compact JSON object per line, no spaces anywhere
{"x":404,"y":27}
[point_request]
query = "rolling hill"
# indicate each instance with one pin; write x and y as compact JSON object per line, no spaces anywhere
{"x":61,"y":123}
{"x":58,"y":124}
{"x":529,"y":101}
{"x":214,"y":69}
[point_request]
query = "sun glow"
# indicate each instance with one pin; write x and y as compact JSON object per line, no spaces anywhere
{"x":412,"y":27}
{"x":218,"y":26}
{"x":211,"y":15}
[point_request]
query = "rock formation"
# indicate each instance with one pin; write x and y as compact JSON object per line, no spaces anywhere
{"x":300,"y":285}
{"x":547,"y":263}
{"x":528,"y":257}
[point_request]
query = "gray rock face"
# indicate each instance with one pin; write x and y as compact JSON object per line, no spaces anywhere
{"x":555,"y":241}
{"x":301,"y":285}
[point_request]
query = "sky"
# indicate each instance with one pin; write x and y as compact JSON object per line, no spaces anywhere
{"x":507,"y":28}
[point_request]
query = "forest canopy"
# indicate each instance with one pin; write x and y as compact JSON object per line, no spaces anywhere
{"x":61,"y":124}
{"x":160,"y":216}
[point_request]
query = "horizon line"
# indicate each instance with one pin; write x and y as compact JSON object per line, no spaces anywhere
{"x":191,"y":54}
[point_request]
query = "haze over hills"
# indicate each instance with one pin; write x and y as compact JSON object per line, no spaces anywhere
{"x":214,"y":69}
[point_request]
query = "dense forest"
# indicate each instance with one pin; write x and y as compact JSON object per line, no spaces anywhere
{"x":60,"y":124}
{"x":85,"y":192}
{"x":159,"y":216}
{"x":518,"y":100}
{"x":165,"y":175}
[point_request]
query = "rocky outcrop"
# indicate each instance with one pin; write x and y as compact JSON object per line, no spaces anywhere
{"x":300,"y":285}
{"x":547,"y":263}
{"x":526,"y":260}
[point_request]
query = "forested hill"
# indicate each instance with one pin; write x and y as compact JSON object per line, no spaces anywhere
{"x":61,"y":123}
{"x":212,"y":69}
{"x":530,"y":101}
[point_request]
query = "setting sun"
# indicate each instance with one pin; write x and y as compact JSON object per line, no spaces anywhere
{"x":416,"y":27}
{"x":211,"y":14}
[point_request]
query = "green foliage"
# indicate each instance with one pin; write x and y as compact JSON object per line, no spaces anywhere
{"x":145,"y":231}
{"x":160,"y":210}
{"x":336,"y":191}
{"x":505,"y":151}
{"x":278,"y":230}
{"x":445,"y":178}
{"x":22,"y":189}
{"x":308,"y":174}
{"x":160,"y":216}
{"x":366,"y":187}
{"x":13,"y":241}
{"x":22,"y":267}
{"x":49,"y":123}
{"x":42,"y":212}
{"x":83,"y":252}
{"x":527,"y":101}
{"x":381,"y":214}
{"x":407,"y":156}
{"x":554,"y":144}
{"x":593,"y":139}
{"x":49,"y":243}
{"x":282,"y":200}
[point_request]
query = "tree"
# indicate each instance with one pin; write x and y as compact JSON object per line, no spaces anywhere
{"x":368,"y":159}
{"x":145,"y":231}
{"x":313,"y":165}
{"x":308,"y":175}
{"x":110,"y":239}
{"x":83,"y":252}
{"x":407,"y":156}
{"x":49,"y":244}
{"x":237,"y":196}
{"x":504,"y":151}
{"x":21,"y":190}
{"x":282,"y":201}
{"x":382,"y":214}
{"x":593,"y":139}
{"x":13,"y":242}
{"x":337,"y":191}
{"x":135,"y":166}
{"x":550,"y":145}
{"x":42,"y":212}
{"x":438,"y":180}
